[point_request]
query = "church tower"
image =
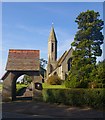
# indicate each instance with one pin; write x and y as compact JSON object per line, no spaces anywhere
{"x":52,"y":51}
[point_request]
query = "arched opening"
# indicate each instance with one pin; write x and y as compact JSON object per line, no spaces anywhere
{"x":51,"y":68}
{"x":22,"y":87}
{"x":69,"y":63}
{"x":52,"y":48}
{"x":9,"y":83}
{"x":55,"y":73}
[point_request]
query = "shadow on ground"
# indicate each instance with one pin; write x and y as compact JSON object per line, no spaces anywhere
{"x":23,"y":98}
{"x":46,"y":110}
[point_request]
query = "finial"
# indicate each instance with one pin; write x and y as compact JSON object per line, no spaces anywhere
{"x":52,"y":24}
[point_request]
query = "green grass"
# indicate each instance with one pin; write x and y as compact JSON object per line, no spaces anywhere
{"x":45,"y":85}
{"x":20,"y":86}
{"x":1,"y":87}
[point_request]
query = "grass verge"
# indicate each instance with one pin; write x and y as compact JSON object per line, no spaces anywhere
{"x":1,"y":87}
{"x":46,"y":85}
{"x":20,"y":86}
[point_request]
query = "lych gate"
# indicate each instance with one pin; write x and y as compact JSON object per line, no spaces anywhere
{"x":20,"y":62}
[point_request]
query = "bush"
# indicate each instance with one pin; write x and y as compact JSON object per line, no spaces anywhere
{"x":76,"y":97}
{"x":54,"y":80}
{"x":76,"y":84}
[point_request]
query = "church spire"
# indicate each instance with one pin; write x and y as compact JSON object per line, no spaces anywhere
{"x":52,"y":36}
{"x":52,"y":51}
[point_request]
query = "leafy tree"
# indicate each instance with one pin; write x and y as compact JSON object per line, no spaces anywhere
{"x":27,"y":79}
{"x":97,"y":76}
{"x":101,"y":72}
{"x":43,"y":62}
{"x":87,"y":44}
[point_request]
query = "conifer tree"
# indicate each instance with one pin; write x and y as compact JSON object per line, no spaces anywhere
{"x":87,"y":43}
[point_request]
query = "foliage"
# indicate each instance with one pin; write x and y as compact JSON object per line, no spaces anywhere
{"x":87,"y":44}
{"x":20,"y":86}
{"x":54,"y":80}
{"x":43,"y":62}
{"x":75,"y":97}
{"x":46,"y":85}
{"x":97,"y":76}
{"x":27,"y":79}
{"x":1,"y":87}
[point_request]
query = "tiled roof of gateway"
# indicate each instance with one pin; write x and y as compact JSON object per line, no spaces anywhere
{"x":23,"y":60}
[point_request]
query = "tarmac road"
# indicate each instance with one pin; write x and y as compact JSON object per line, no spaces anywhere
{"x":32,"y":109}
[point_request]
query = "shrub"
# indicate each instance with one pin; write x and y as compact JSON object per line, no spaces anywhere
{"x":54,"y":80}
{"x":76,"y":97}
{"x":76,"y":84}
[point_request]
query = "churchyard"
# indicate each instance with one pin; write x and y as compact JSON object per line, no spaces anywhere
{"x":73,"y":86}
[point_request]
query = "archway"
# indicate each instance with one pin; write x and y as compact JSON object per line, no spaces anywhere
{"x":20,"y":62}
{"x":9,"y":84}
{"x":24,"y":88}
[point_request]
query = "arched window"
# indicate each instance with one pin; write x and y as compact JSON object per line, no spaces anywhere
{"x":69,"y":63}
{"x":55,"y":73}
{"x":52,"y":47}
{"x":51,"y":68}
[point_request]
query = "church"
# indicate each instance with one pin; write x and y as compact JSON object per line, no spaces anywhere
{"x":59,"y":66}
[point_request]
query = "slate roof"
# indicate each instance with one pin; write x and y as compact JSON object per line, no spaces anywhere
{"x":62,"y":58}
{"x":23,"y":60}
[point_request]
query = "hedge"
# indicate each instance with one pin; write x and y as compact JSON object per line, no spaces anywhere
{"x":76,"y":97}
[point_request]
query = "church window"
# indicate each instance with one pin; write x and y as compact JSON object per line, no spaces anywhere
{"x":52,"y":47}
{"x":69,"y":63}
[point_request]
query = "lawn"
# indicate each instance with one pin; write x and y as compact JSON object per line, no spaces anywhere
{"x":45,"y":85}
{"x":0,"y":87}
{"x":20,"y":86}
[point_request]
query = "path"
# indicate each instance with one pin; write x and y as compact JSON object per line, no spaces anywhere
{"x":24,"y":94}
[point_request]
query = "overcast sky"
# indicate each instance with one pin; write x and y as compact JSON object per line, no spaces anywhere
{"x":27,"y":25}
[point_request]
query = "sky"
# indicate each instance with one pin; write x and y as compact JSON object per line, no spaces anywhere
{"x":27,"y":25}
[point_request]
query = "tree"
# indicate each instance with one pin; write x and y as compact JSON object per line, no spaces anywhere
{"x":86,"y":45}
{"x":27,"y":79}
{"x":97,"y":76}
{"x":43,"y":62}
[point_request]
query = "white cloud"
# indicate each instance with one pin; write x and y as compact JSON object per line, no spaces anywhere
{"x":29,"y":34}
{"x":65,"y":45}
{"x":64,"y":40}
{"x":35,"y":30}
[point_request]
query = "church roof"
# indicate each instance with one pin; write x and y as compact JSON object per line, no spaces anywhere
{"x":52,"y":36}
{"x":62,"y":58}
{"x":23,"y":60}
